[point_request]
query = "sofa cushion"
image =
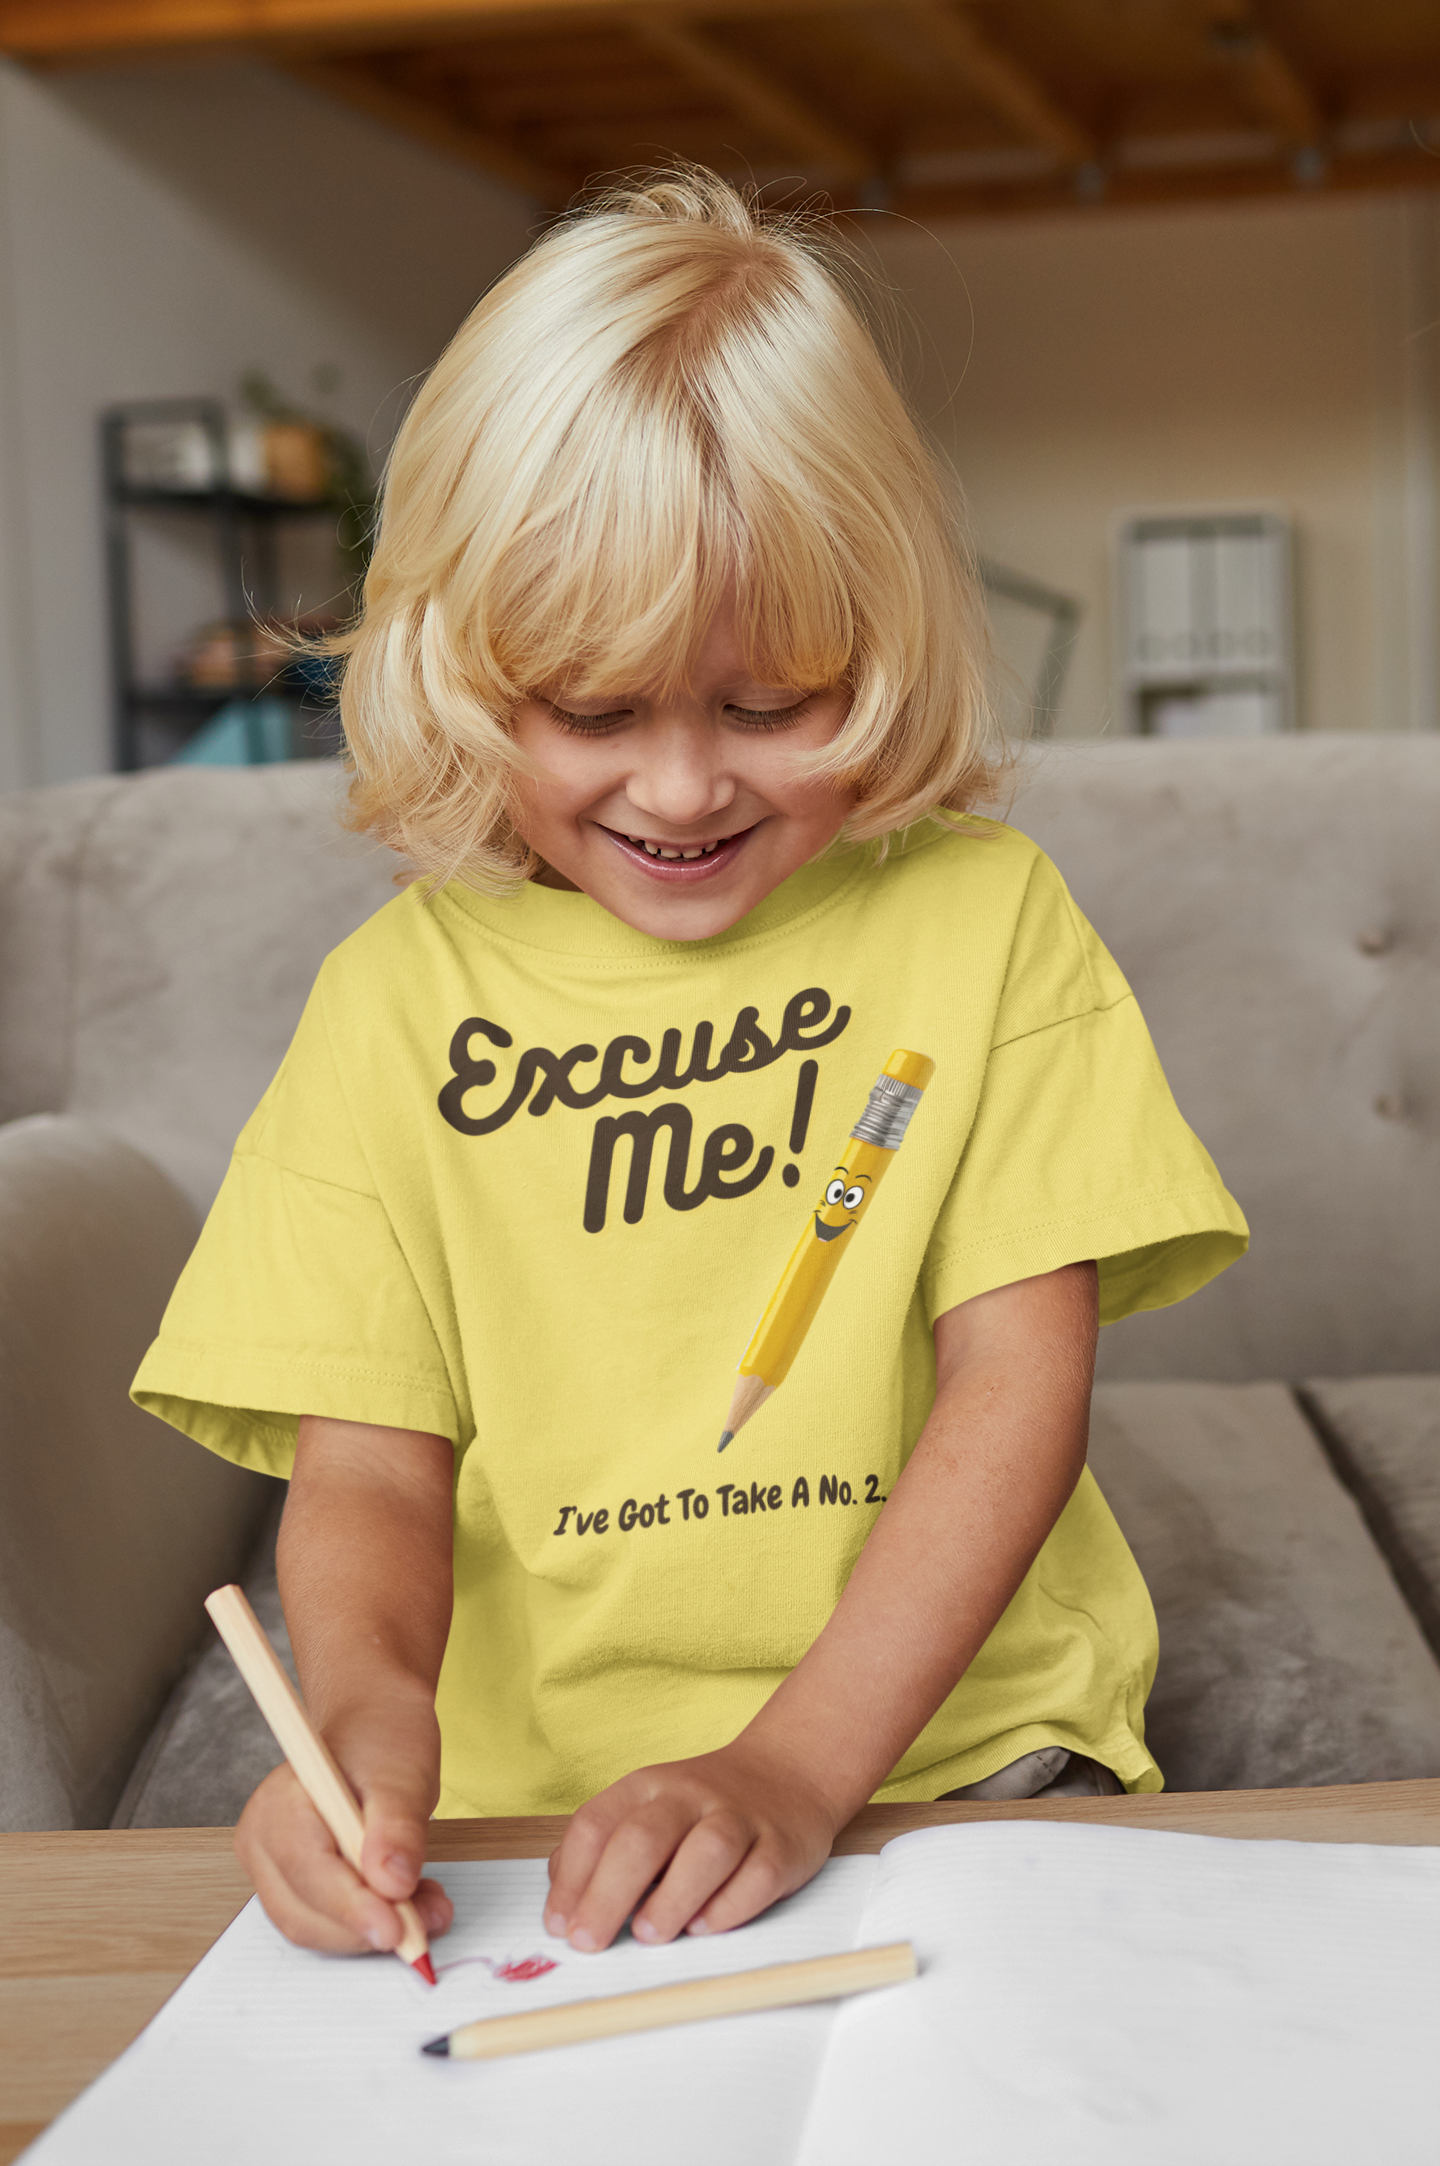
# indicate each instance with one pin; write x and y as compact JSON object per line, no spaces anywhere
{"x":207,"y":900}
{"x":1272,"y":901}
{"x":112,"y":1528}
{"x":1287,"y":1654}
{"x":1383,"y":1436}
{"x":212,"y":1745}
{"x":43,"y":834}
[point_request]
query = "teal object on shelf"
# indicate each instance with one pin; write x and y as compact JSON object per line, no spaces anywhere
{"x":246,"y":733}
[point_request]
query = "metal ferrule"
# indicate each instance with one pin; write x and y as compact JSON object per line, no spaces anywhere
{"x":888,"y":1113}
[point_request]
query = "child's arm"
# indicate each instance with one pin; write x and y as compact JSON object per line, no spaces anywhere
{"x":734,"y":1830}
{"x":365,"y":1572}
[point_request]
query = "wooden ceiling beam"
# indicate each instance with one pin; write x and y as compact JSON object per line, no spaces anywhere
{"x":367,"y":90}
{"x":73,"y":30}
{"x":998,"y":80}
{"x":1391,"y":93}
{"x":1154,"y":188}
{"x":754,"y":95}
{"x":538,"y":106}
{"x":1271,"y":86}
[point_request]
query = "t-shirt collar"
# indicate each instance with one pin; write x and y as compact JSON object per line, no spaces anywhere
{"x":572,"y":924}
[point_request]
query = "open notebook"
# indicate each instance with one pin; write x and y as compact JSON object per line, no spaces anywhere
{"x":1088,"y":1994}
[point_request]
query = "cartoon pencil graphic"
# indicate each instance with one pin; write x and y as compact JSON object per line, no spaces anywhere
{"x":849,"y":1186}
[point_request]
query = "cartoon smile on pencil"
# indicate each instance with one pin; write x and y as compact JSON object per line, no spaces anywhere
{"x":846,"y":1194}
{"x":874,"y":1140}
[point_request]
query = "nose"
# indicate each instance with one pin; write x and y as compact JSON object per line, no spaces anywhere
{"x":680,"y":776}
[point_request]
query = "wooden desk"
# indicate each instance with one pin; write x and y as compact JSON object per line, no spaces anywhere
{"x":96,"y":1930}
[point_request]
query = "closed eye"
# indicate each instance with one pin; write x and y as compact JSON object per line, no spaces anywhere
{"x":769,"y":718}
{"x":587,"y":725}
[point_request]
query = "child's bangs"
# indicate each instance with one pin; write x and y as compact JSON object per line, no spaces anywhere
{"x":602,"y":616}
{"x":614,"y":593}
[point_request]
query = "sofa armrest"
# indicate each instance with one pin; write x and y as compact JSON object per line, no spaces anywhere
{"x":112,"y":1527}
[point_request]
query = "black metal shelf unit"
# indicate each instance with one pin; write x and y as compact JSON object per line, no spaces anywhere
{"x":243,"y":523}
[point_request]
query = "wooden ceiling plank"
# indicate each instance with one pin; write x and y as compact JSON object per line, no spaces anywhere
{"x":754,"y":95}
{"x":1270,"y":182}
{"x":1271,"y":85}
{"x":573,"y":53}
{"x":607,"y":151}
{"x":61,"y":30}
{"x":367,"y":91}
{"x":1278,"y":92}
{"x":1411,"y":93}
{"x":533,"y":105}
{"x":993,"y":75}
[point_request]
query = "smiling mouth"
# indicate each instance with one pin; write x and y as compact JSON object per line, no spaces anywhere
{"x":678,"y":860}
{"x":830,"y":1233}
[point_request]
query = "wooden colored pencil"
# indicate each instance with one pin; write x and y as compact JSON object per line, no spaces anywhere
{"x":315,"y":1768}
{"x":780,"y":1985}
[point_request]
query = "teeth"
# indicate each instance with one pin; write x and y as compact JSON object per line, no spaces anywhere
{"x":656,"y":849}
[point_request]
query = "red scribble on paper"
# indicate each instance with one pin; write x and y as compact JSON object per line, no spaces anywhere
{"x":517,"y":1970}
{"x":521,"y":1969}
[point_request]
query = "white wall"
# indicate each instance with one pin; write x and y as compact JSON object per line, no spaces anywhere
{"x":165,"y":226}
{"x":1074,"y":367}
{"x":161,"y":229}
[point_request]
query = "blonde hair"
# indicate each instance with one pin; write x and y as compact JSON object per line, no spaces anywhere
{"x":668,"y":397}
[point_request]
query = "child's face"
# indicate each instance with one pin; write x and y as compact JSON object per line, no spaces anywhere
{"x":713,"y":768}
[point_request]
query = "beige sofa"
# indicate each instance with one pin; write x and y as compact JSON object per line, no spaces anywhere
{"x":1272,"y":1448}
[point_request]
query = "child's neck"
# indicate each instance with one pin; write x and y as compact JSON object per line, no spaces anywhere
{"x":547,"y":876}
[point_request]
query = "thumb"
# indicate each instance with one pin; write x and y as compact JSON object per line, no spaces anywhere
{"x":396,"y":1814}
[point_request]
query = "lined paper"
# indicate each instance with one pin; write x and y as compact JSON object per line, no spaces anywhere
{"x":1109,"y":1997}
{"x":269,"y":2053}
{"x":1101,"y":1995}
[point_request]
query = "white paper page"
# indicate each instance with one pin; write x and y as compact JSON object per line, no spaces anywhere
{"x":1108,"y":1997}
{"x":269,"y":2055}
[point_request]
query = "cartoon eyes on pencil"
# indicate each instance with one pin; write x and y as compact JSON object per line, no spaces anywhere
{"x":874,"y":1140}
{"x":844,"y":1193}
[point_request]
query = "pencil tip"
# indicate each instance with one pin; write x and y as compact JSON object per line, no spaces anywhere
{"x":426,"y":1968}
{"x":727,"y":1438}
{"x":440,"y":2047}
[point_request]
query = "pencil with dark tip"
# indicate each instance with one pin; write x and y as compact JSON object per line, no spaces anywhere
{"x":698,"y":2000}
{"x":849,"y":1186}
{"x":315,"y":1767}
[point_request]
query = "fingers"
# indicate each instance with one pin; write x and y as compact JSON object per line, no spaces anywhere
{"x":699,"y":1845}
{"x":637,"y":1854}
{"x":396,"y":1822}
{"x":625,"y":1842}
{"x":310,"y":1892}
{"x":763,"y":1878}
{"x":572,"y":1865}
{"x":437,"y":1912}
{"x":714,"y":1852}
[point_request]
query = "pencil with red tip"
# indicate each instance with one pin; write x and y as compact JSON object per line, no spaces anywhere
{"x":310,"y":1757}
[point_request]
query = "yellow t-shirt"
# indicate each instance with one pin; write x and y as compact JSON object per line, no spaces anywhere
{"x":527,"y":1177}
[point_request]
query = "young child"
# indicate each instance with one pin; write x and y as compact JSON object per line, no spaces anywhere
{"x":670,"y":675}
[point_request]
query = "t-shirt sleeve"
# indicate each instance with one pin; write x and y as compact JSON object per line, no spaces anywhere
{"x":1078,"y":1149}
{"x":298,"y":1298}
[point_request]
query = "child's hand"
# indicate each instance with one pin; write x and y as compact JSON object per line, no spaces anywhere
{"x":731,"y":1832}
{"x":307,"y":1888}
{"x":364,"y":1562}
